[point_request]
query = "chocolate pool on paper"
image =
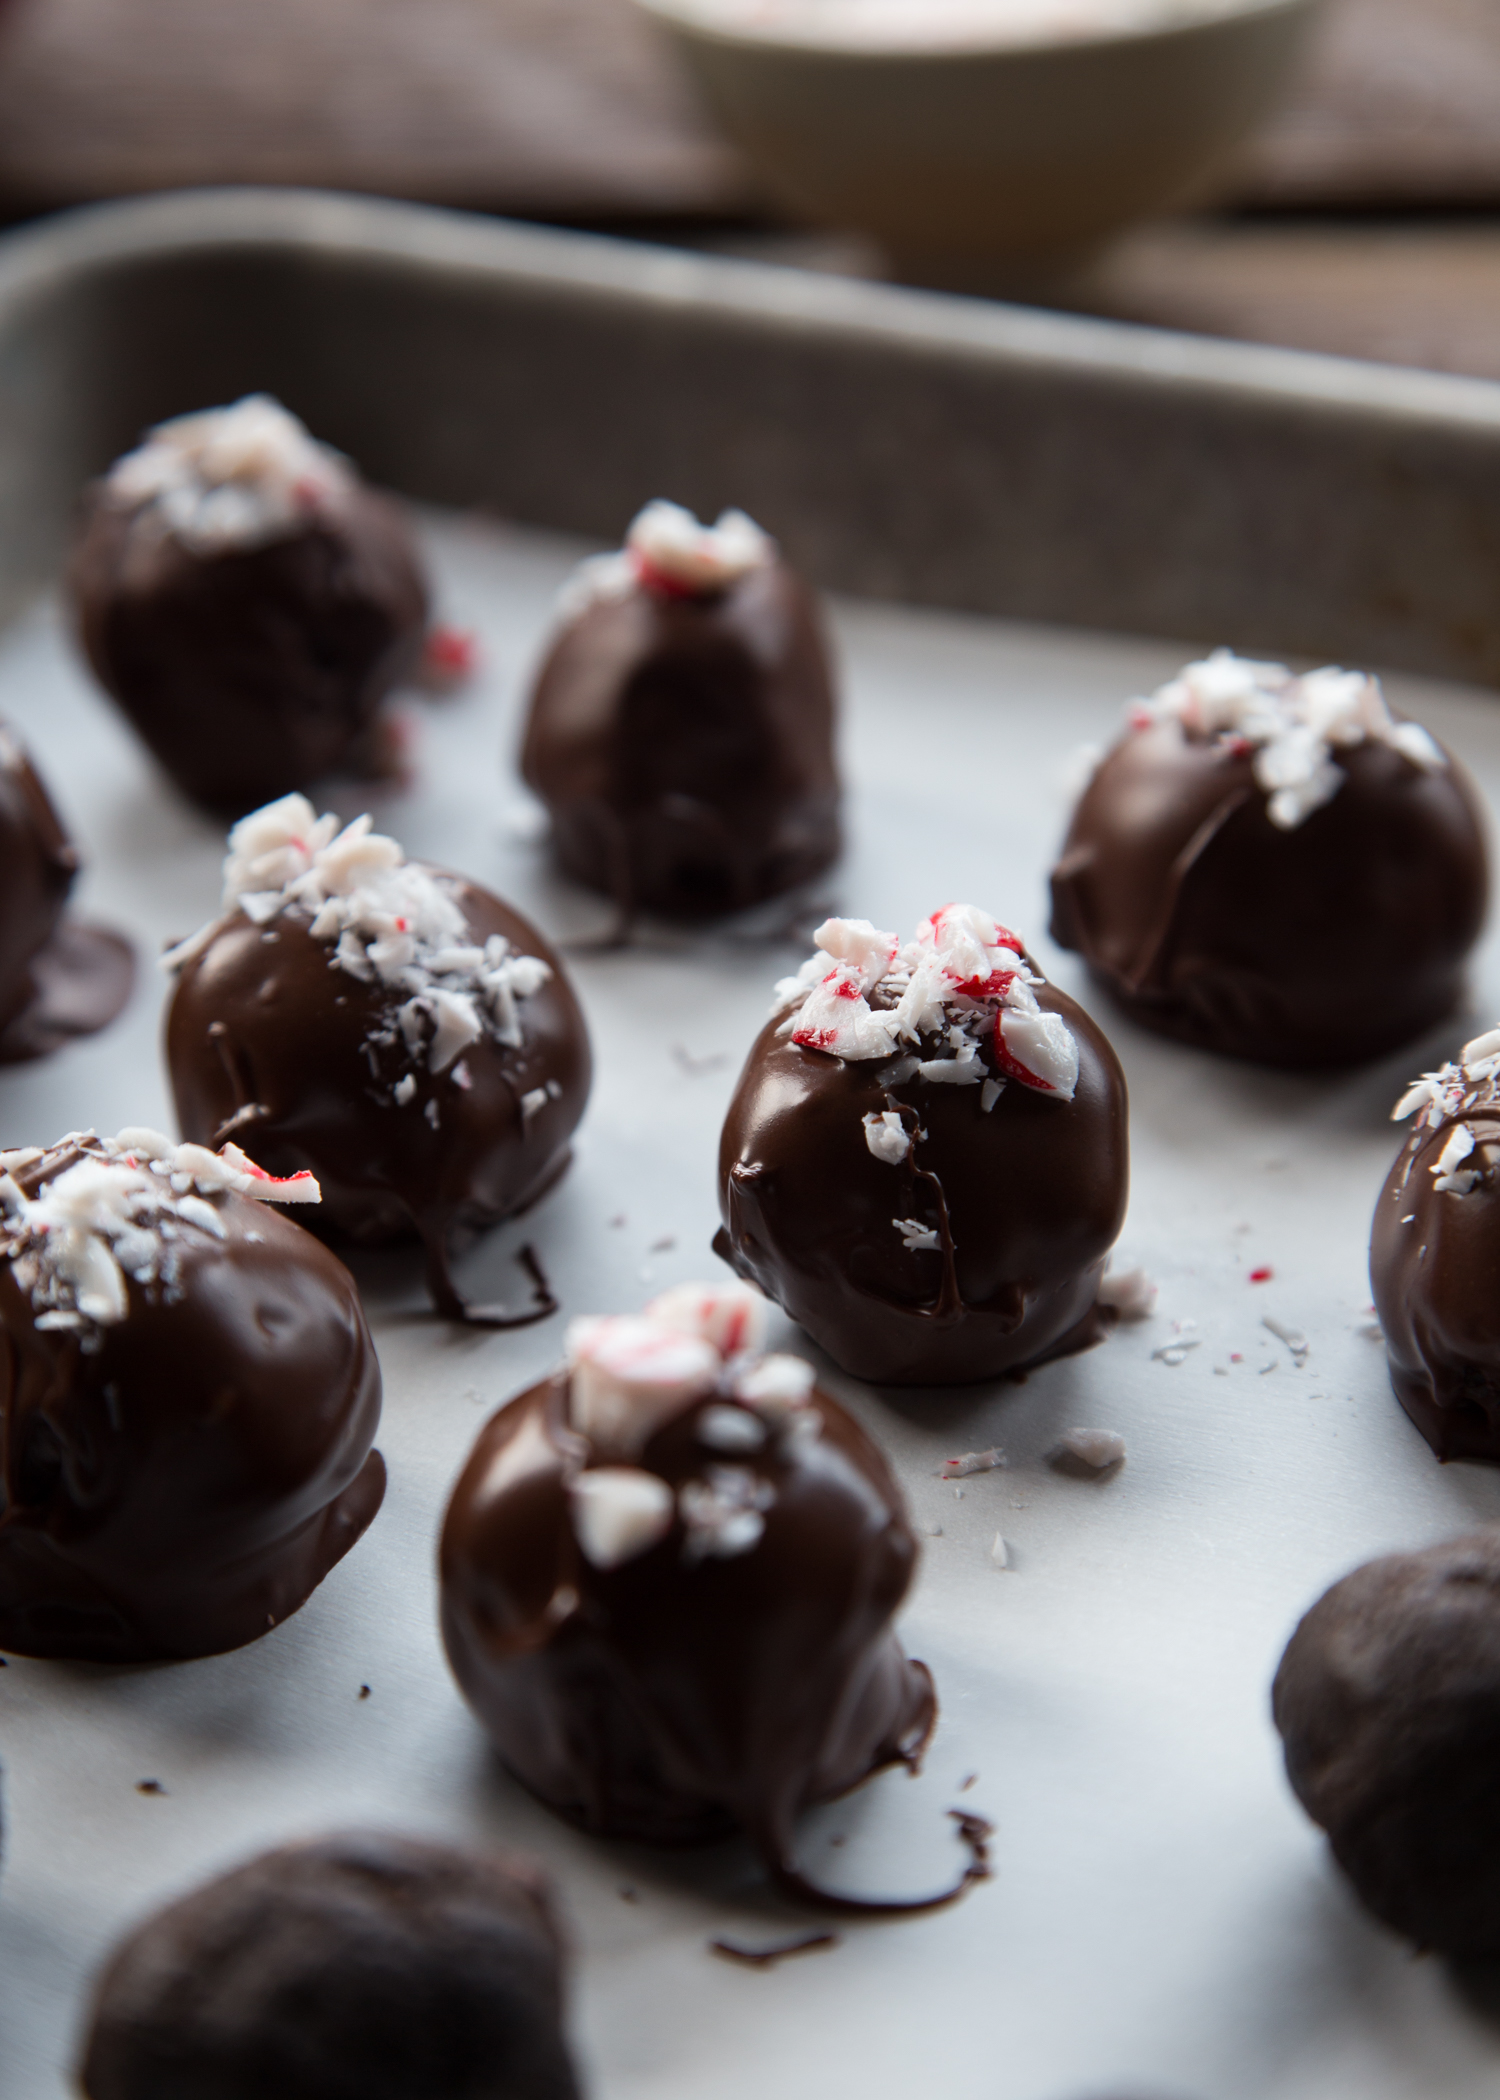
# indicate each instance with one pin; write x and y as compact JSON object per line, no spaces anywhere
{"x":668,"y":1578}
{"x":388,"y":1026}
{"x":188,"y":1399}
{"x":926,"y":1158}
{"x":1275,"y":867}
{"x":681,"y":727}
{"x":247,"y":601}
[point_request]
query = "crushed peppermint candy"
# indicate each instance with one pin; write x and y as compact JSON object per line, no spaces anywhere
{"x":669,"y":552}
{"x":387,"y":921}
{"x":972,"y":1462}
{"x":228,"y":479}
{"x":630,"y":1376}
{"x":117,"y":1214}
{"x":1293,"y":724}
{"x":1128,"y":1293}
{"x":955,"y":1006}
{"x":1087,"y":1454}
{"x":1467,"y":1086}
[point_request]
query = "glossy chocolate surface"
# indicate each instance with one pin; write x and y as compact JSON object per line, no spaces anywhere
{"x":1388,"y":1703}
{"x":269,"y":1043}
{"x":1210,"y":924}
{"x":59,"y":978}
{"x":361,"y":1966}
{"x":674,"y":1700}
{"x":1026,"y":1201}
{"x":684,"y":745}
{"x":1434,"y":1264}
{"x":255,"y":670}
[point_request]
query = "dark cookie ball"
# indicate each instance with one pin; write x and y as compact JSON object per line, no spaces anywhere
{"x":1275,"y":868}
{"x":391,"y":1027}
{"x":681,"y":727}
{"x":247,"y":601}
{"x":1388,"y":1703}
{"x":188,"y":1397}
{"x":357,"y":1967}
{"x":668,"y":1580}
{"x":925,"y":1161}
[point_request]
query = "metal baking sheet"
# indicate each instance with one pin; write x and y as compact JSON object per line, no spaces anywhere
{"x":1162,"y":1919}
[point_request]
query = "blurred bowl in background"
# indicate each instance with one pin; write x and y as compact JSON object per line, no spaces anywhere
{"x":995,"y":153}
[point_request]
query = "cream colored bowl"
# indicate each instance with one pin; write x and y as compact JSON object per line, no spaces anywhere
{"x":993,"y":152}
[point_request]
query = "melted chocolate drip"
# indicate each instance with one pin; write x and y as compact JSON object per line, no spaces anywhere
{"x":1320,"y":946}
{"x":1388,"y":1703}
{"x":1026,"y":1202}
{"x":180,"y":1481}
{"x":673,"y":1700}
{"x":269,"y":1042}
{"x":1433,"y":1281}
{"x":257,"y":670}
{"x":684,"y":746}
{"x":361,"y":1964}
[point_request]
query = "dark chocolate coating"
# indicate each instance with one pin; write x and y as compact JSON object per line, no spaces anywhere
{"x":356,"y":1967}
{"x":670,"y":1702}
{"x":58,"y":978}
{"x":187,"y":1484}
{"x":267,"y":1042}
{"x":1388,"y":1703}
{"x":1434,"y":1286}
{"x":1034,"y":1195}
{"x":1211,"y":925}
{"x":684,"y":746}
{"x":258,"y":670}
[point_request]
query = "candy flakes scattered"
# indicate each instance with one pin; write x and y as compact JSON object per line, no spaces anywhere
{"x":1264,"y":1274}
{"x":1000,"y":1552}
{"x":972,"y":1462}
{"x":1087,"y":1453}
{"x":1175,"y":1352}
{"x":1295,"y":1341}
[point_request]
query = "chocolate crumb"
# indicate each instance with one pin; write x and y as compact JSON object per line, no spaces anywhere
{"x":965,"y":1784}
{"x":768,"y":1957}
{"x":149,"y":1786}
{"x":364,"y":1691}
{"x":630,"y":1895}
{"x":664,"y":1246}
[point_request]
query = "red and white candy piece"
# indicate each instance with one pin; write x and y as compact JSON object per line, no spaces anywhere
{"x":619,"y":1512}
{"x":837,"y":1018}
{"x":631,"y":1375}
{"x":731,"y":1316}
{"x":1038,"y":1049}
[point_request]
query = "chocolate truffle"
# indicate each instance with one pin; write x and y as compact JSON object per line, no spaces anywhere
{"x":390,"y":1027}
{"x":925,"y":1161}
{"x":1435,"y":1255}
{"x":668,"y":1578}
{"x":1254,"y":852}
{"x":361,"y":1966}
{"x":59,"y":977}
{"x":1388,"y":1703}
{"x":681,"y":727}
{"x":247,"y":601}
{"x":188,"y":1396}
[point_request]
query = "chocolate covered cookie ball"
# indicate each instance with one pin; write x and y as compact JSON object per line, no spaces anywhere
{"x":362,"y":1966}
{"x":389,"y":1026}
{"x":1388,"y":1703}
{"x":925,"y":1161}
{"x":668,"y":1579}
{"x":60,"y":977}
{"x":681,"y":727}
{"x":188,"y":1397}
{"x":247,"y":601}
{"x":1435,"y":1255}
{"x":1275,"y":867}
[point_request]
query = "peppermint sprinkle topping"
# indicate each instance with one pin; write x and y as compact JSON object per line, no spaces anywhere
{"x":1293,"y":724}
{"x":119,"y":1211}
{"x":229,"y":478}
{"x":619,"y":1512}
{"x":1128,"y":1292}
{"x":387,"y":921}
{"x":668,"y":551}
{"x":1469,"y":1086}
{"x":962,"y":988}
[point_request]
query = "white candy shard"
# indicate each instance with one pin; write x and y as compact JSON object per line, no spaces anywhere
{"x":1000,"y":1552}
{"x":916,"y":1237}
{"x":119,"y":1213}
{"x":732,"y":1316}
{"x":724,"y":1513}
{"x":730,"y":1429}
{"x":972,"y":1462}
{"x":1040,"y":1051}
{"x":775,"y":1386}
{"x":863,"y":949}
{"x":885,"y":1134}
{"x":1128,"y":1292}
{"x":1294,"y":725}
{"x":619,"y":1512}
{"x":1446,"y":1168}
{"x":631,"y":1375}
{"x":227,"y":479}
{"x":667,"y":543}
{"x":1092,"y":1451}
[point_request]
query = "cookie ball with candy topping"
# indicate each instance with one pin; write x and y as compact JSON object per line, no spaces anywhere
{"x":925,"y":1160}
